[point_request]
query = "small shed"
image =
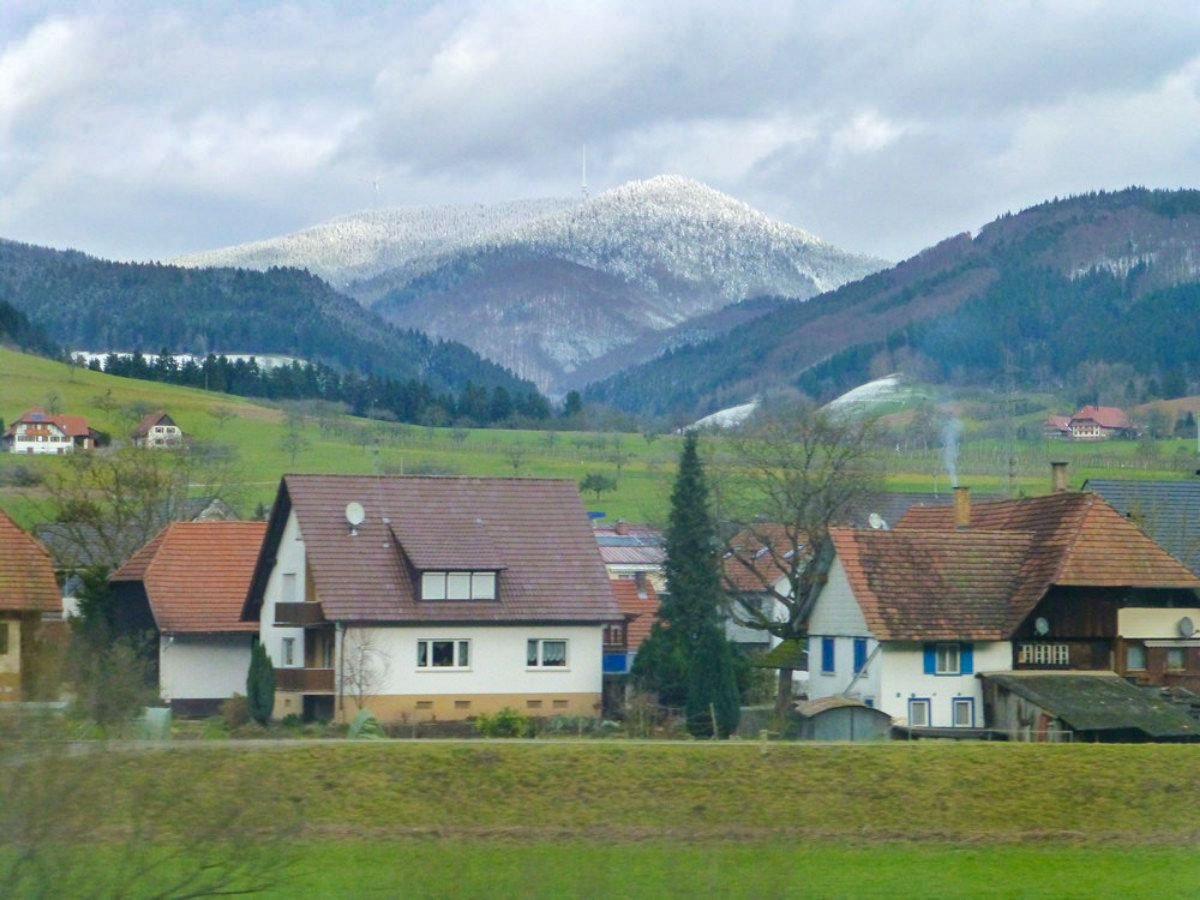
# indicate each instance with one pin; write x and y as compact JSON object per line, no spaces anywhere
{"x":842,"y":719}
{"x":1064,"y":706}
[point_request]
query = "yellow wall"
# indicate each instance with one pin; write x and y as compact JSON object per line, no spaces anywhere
{"x":10,"y":663}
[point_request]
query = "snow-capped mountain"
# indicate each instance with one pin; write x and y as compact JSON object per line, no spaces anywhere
{"x":563,"y":289}
{"x":364,"y":244}
{"x":545,"y":287}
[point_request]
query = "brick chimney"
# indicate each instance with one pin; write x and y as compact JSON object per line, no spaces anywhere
{"x":1058,"y":477}
{"x":962,"y":507}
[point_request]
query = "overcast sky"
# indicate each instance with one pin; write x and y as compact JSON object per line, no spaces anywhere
{"x":133,"y":130}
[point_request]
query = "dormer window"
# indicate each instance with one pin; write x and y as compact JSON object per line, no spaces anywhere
{"x":458,"y":585}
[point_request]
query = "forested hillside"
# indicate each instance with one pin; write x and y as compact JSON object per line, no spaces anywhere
{"x":17,"y":331}
{"x":93,"y":304}
{"x":1071,"y":283}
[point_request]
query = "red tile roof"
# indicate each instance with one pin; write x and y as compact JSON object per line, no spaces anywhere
{"x":639,"y":607}
{"x":27,"y":582}
{"x":933,"y":585}
{"x":1077,"y":540}
{"x":763,"y":556}
{"x":196,"y":575}
{"x":1104,"y":416}
{"x":73,"y":426}
{"x":537,"y":528}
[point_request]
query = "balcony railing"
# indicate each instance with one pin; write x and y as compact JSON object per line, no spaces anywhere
{"x":304,"y":681}
{"x":299,"y":615}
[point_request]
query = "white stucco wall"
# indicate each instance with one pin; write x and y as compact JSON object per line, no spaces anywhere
{"x":497,"y":660}
{"x":1135,"y":622}
{"x":289,"y":560}
{"x":902,"y":676}
{"x":203,"y":667}
{"x":837,"y":615}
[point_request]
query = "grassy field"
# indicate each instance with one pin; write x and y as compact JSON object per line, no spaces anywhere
{"x":345,"y":444}
{"x":611,"y":818}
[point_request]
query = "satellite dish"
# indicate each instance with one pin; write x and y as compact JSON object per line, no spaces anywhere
{"x":876,"y":521}
{"x":1187,"y":627}
{"x":1041,"y":626}
{"x":355,"y":514}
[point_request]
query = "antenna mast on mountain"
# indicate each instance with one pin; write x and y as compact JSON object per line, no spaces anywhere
{"x":583,"y":179}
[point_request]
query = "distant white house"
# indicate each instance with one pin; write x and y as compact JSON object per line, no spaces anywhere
{"x":157,"y":430}
{"x":40,"y":432}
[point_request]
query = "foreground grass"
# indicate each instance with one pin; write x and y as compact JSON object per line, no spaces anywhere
{"x":604,"y":818}
{"x":497,"y":869}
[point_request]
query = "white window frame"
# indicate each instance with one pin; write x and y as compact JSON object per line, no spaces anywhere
{"x":460,"y":647}
{"x":941,"y":648}
{"x":922,"y":703}
{"x":288,"y":652}
{"x":955,"y":704}
{"x":479,"y":584}
{"x":538,"y":664}
{"x":1181,"y":654}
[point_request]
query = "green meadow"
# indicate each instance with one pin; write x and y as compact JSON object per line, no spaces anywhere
{"x":641,"y":467}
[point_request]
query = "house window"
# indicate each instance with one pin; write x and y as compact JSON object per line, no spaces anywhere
{"x":458,"y":585}
{"x":289,"y":587}
{"x":545,"y":654}
{"x":614,"y":635}
{"x":947,"y":660}
{"x":289,"y":651}
{"x":860,"y":655}
{"x":3,"y":639}
{"x":443,"y":654}
{"x":1135,"y":657}
{"x":918,"y":713}
{"x":1176,"y":659}
{"x":963,"y":712}
{"x":828,"y":662}
{"x":1042,"y":654}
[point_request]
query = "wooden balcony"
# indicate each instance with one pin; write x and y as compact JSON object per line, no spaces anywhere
{"x":299,"y":615}
{"x":305,"y":681}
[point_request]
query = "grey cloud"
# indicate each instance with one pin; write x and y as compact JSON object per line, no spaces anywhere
{"x":137,"y":129}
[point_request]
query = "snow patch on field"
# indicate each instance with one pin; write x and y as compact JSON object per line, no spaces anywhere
{"x":886,"y":388}
{"x":730,"y":417}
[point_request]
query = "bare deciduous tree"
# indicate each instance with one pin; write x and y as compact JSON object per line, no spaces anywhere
{"x":790,"y":476}
{"x":364,"y":665}
{"x":106,"y":506}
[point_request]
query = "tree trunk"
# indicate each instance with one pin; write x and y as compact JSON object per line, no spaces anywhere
{"x":783,"y":697}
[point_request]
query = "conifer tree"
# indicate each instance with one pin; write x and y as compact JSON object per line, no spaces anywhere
{"x":687,"y":659}
{"x":260,"y":685}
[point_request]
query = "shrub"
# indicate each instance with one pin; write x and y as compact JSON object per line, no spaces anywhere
{"x":507,"y":723}
{"x":260,"y":685}
{"x":291,"y":720}
{"x":234,"y":712}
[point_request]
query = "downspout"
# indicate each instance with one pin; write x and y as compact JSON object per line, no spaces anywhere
{"x":863,"y":671}
{"x":341,"y":645}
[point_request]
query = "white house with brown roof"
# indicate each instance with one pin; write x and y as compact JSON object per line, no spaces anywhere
{"x":909,"y":618}
{"x":158,"y":431}
{"x":40,"y":432}
{"x":431,"y":598}
{"x":187,"y":587}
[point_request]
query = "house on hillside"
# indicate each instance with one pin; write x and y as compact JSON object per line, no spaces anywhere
{"x":1090,"y":423}
{"x":187,"y":587}
{"x":40,"y":432}
{"x":157,"y":430}
{"x":431,"y":598}
{"x":29,"y":596}
{"x":914,"y":620}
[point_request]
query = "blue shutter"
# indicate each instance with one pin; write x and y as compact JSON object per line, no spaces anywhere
{"x":860,"y":654}
{"x":966,"y":658}
{"x":930,"y":659}
{"x":827,"y":660}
